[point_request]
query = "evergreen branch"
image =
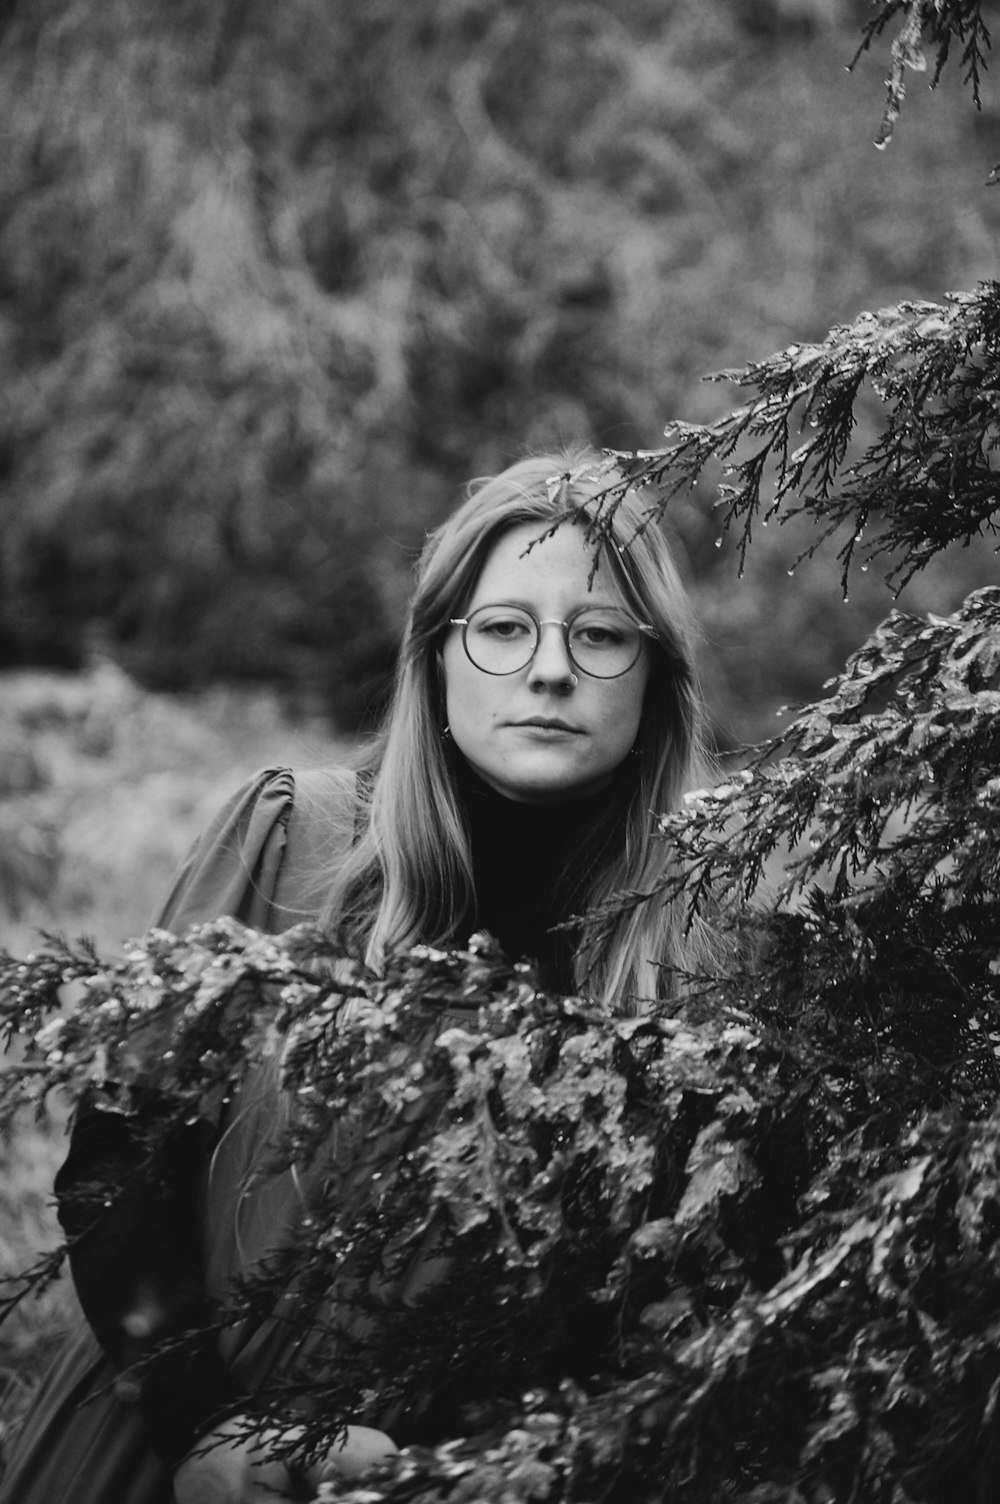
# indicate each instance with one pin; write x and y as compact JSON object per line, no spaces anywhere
{"x":891,"y":776}
{"x":746,"y":1239}
{"x":931,"y":477}
{"x":942,"y":22}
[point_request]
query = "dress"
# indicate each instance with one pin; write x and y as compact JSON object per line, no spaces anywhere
{"x":262,"y":860}
{"x":79,"y":1443}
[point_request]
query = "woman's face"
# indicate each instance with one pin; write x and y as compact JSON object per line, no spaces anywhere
{"x":535,"y":735}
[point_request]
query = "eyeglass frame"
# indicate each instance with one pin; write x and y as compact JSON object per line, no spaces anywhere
{"x":552,"y":621}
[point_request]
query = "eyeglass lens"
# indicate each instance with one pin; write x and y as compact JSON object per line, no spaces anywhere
{"x":601,"y":641}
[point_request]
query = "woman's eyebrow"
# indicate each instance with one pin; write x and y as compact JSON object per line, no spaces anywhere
{"x":527,"y":605}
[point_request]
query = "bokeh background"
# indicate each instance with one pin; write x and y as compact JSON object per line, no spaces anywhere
{"x":277,"y":278}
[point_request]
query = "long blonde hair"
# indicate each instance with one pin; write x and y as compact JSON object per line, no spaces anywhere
{"x":408,"y":878}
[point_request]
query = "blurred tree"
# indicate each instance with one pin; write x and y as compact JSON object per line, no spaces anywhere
{"x":275,"y":279}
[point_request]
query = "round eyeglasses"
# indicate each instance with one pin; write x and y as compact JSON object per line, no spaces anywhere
{"x":600,"y":640}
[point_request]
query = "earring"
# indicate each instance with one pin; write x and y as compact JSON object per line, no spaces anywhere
{"x":446,"y":734}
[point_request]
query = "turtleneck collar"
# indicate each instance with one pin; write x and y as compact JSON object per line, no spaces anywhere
{"x":519,"y":858}
{"x":556,"y":813}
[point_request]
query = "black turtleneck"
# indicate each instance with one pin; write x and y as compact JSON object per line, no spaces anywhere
{"x":520,"y":859}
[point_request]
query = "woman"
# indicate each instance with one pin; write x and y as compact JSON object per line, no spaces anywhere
{"x":545,"y":706}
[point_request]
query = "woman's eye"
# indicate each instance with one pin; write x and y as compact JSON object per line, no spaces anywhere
{"x":598,"y":635}
{"x":505,"y":628}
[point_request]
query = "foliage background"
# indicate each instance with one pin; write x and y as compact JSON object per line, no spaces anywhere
{"x":275,"y":280}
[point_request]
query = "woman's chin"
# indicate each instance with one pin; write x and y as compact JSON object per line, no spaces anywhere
{"x":541,"y":784}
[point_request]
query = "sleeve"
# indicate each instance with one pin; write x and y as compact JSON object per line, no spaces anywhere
{"x":136,"y":1268}
{"x":134,"y":1254}
{"x":235,"y":867}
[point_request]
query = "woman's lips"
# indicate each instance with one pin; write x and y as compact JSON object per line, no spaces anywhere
{"x":548,"y":723}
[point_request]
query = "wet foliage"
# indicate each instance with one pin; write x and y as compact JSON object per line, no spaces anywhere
{"x":946,"y":28}
{"x":931,"y":476}
{"x":744,"y":1246}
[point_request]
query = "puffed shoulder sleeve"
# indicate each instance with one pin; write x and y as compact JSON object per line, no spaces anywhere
{"x":235,"y":866}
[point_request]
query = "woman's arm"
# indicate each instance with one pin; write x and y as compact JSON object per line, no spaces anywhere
{"x":134,"y":1241}
{"x":134,"y":1245}
{"x":134,"y":1258}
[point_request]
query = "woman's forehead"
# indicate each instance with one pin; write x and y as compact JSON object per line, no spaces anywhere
{"x":528,"y":561}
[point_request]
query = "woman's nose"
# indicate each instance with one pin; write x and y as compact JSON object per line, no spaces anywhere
{"x":551,"y":664}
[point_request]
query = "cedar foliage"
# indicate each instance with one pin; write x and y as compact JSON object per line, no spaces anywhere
{"x":929,"y":477}
{"x":746,"y":1246}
